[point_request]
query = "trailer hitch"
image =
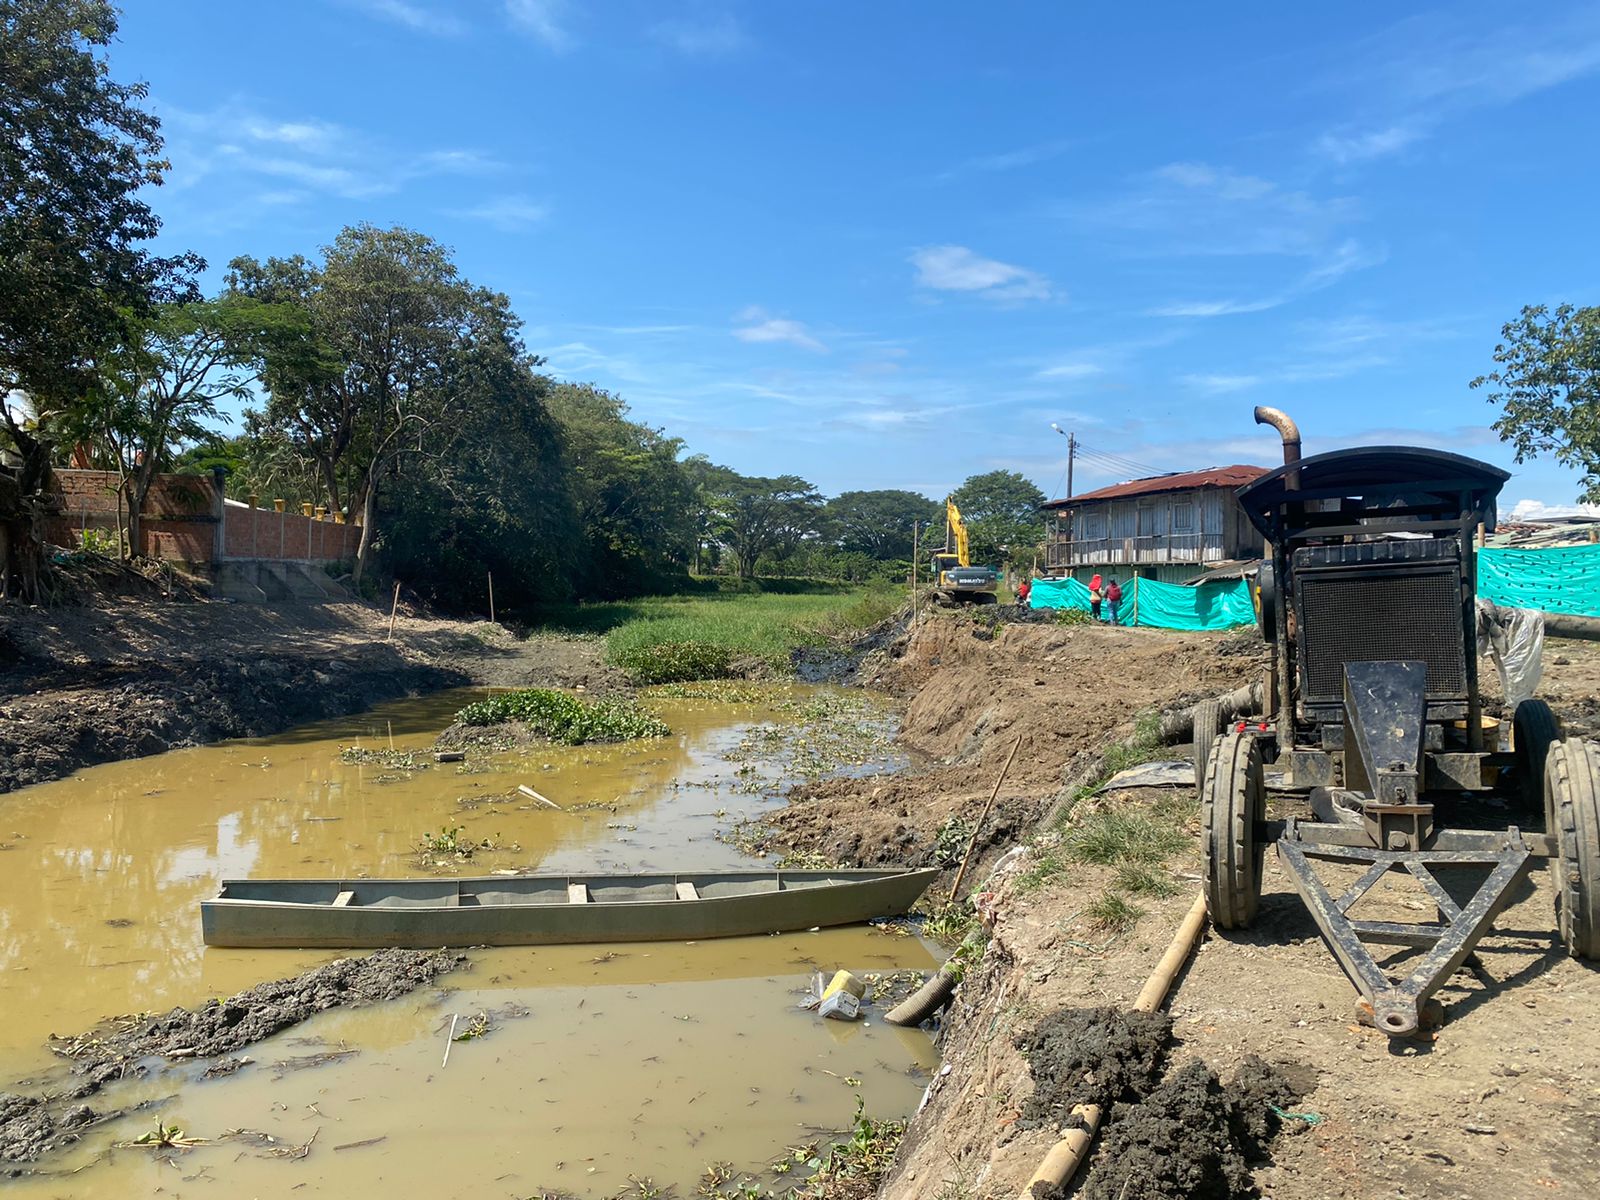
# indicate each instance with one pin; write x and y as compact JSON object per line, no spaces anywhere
{"x":1504,"y":859}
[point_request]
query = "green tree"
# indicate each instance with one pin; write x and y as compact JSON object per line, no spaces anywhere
{"x":77,"y":151}
{"x":878,"y":523}
{"x":1547,"y":384}
{"x":1001,"y":509}
{"x":391,"y":347}
{"x":162,"y":388}
{"x":757,"y":516}
{"x":633,"y":498}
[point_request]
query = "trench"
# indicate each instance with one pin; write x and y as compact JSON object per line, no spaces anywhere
{"x":597,"y":1063}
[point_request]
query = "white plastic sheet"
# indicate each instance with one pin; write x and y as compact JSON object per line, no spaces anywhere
{"x":1514,"y":638}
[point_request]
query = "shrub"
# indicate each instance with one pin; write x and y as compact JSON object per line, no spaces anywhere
{"x":564,"y":718}
{"x":674,"y":662}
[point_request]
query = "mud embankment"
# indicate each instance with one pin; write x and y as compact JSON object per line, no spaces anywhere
{"x":126,"y":677}
{"x":34,"y":1124}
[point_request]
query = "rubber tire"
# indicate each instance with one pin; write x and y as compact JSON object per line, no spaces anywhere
{"x":1534,"y":729}
{"x":1572,"y":813}
{"x":1233,"y":801}
{"x":1207,"y":725}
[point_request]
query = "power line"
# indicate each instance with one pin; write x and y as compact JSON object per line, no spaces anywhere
{"x":1122,"y":460}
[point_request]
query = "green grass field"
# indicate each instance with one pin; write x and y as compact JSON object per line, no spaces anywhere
{"x":767,"y":625}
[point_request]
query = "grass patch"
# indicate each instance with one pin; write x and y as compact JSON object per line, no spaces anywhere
{"x":1118,"y":836}
{"x":768,"y":625}
{"x":564,"y":718}
{"x":674,"y":662}
{"x":1112,"y":911}
{"x":1143,"y":879}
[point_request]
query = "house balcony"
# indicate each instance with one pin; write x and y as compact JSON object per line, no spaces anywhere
{"x":1152,"y":549}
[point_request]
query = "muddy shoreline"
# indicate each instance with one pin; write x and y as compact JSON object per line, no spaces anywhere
{"x":32,"y":1125}
{"x":101,"y":682}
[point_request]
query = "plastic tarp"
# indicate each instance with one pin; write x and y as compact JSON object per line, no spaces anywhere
{"x":1215,"y":604}
{"x":1558,"y":579}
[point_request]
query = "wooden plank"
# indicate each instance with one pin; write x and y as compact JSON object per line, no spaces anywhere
{"x":342,"y":900}
{"x":577,"y":893}
{"x":533,"y":795}
{"x":687,"y":891}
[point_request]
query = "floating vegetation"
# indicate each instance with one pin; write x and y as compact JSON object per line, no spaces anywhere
{"x":836,"y":733}
{"x":674,"y":662}
{"x":393,"y":760}
{"x":564,"y":718}
{"x":162,"y":1137}
{"x":723,"y":691}
{"x":452,"y":843}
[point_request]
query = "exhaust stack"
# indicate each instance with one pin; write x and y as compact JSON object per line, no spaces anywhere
{"x":1290,"y":432}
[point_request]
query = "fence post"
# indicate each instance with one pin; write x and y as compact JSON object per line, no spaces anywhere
{"x":219,"y":508}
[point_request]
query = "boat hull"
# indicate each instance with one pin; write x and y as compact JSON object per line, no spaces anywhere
{"x":540,"y":910}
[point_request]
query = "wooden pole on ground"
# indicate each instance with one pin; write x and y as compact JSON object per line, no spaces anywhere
{"x":491,"y":597}
{"x":982,"y":817}
{"x":394,"y":607}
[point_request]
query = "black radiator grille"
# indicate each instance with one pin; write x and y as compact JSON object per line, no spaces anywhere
{"x":1380,"y":616}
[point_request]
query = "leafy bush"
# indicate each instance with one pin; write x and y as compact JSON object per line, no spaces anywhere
{"x":564,"y":718}
{"x":674,"y":662}
{"x":100,"y":541}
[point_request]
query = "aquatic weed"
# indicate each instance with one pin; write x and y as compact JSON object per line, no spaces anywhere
{"x":564,"y":718}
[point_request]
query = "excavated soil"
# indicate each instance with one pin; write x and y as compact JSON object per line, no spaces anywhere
{"x":33,"y":1125}
{"x":1090,"y":1056}
{"x":125,"y":676}
{"x":974,"y":685}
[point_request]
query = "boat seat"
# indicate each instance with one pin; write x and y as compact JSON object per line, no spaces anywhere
{"x":577,"y":893}
{"x":343,"y":899}
{"x":687,"y":891}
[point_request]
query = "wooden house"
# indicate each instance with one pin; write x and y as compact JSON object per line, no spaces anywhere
{"x":1168,"y":527}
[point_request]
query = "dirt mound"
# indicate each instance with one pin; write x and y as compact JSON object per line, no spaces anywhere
{"x":975,"y":685}
{"x":31,"y":1126}
{"x":1090,"y":1056}
{"x":222,"y":1026}
{"x":1191,"y":1138}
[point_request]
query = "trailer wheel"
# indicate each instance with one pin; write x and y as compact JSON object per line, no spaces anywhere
{"x":1572,"y":813}
{"x":1534,"y":729}
{"x":1207,"y":725}
{"x":1233,"y":804}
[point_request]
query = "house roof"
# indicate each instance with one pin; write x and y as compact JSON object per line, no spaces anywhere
{"x":1178,"y":481}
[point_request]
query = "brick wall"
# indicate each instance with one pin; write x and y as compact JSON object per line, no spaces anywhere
{"x":181,"y":516}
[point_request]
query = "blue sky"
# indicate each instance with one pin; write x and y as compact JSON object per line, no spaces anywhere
{"x":885,"y":245}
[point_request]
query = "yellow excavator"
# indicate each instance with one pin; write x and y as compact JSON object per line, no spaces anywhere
{"x":955,"y":579}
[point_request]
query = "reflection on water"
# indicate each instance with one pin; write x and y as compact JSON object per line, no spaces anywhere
{"x":654,"y":1059}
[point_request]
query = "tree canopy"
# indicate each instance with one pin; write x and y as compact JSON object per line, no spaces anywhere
{"x":878,"y":523}
{"x":1001,"y":509}
{"x":1547,"y":384}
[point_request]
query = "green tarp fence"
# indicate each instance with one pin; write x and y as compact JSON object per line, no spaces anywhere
{"x":1560,"y":579}
{"x":1216,"y":604}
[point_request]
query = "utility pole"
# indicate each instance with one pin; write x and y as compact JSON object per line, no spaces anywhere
{"x":1072,"y":453}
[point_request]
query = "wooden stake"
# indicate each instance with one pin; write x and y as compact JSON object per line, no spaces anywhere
{"x":394,"y":607}
{"x":491,"y":597}
{"x":450,"y":1041}
{"x":533,"y":795}
{"x":982,"y":817}
{"x":390,"y":725}
{"x":915,"y":545}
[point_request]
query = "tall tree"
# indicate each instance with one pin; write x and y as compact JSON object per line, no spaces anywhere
{"x":390,"y":350}
{"x":757,"y":516}
{"x":163,"y":388}
{"x":878,"y":523}
{"x":76,"y":151}
{"x":1001,"y":509}
{"x":1547,"y":383}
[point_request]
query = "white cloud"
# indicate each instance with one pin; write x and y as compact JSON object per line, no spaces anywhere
{"x":958,"y":269}
{"x":412,"y":16}
{"x":508,"y":213}
{"x":1216,"y":308}
{"x":760,"y":327}
{"x":1219,"y":385}
{"x":1009,"y":160}
{"x":1070,"y":370}
{"x":715,"y":37}
{"x":544,"y":19}
{"x":1348,"y":256}
{"x":1344,"y":148}
{"x":1538,"y":510}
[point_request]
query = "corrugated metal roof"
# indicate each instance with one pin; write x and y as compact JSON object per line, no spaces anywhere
{"x":1179,"y":481}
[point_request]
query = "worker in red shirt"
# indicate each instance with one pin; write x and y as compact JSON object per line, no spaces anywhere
{"x":1113,"y":597}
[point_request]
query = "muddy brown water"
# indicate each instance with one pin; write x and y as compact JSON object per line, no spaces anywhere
{"x":599,"y":1062}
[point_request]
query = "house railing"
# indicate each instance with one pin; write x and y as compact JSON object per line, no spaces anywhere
{"x":1151,"y":548}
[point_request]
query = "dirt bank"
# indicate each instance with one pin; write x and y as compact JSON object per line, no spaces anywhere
{"x":972,"y":689}
{"x":33,"y":1125}
{"x":1503,"y":1102}
{"x":131,"y":675}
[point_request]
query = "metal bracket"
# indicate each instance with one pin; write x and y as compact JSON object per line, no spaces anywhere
{"x":1447,"y":942}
